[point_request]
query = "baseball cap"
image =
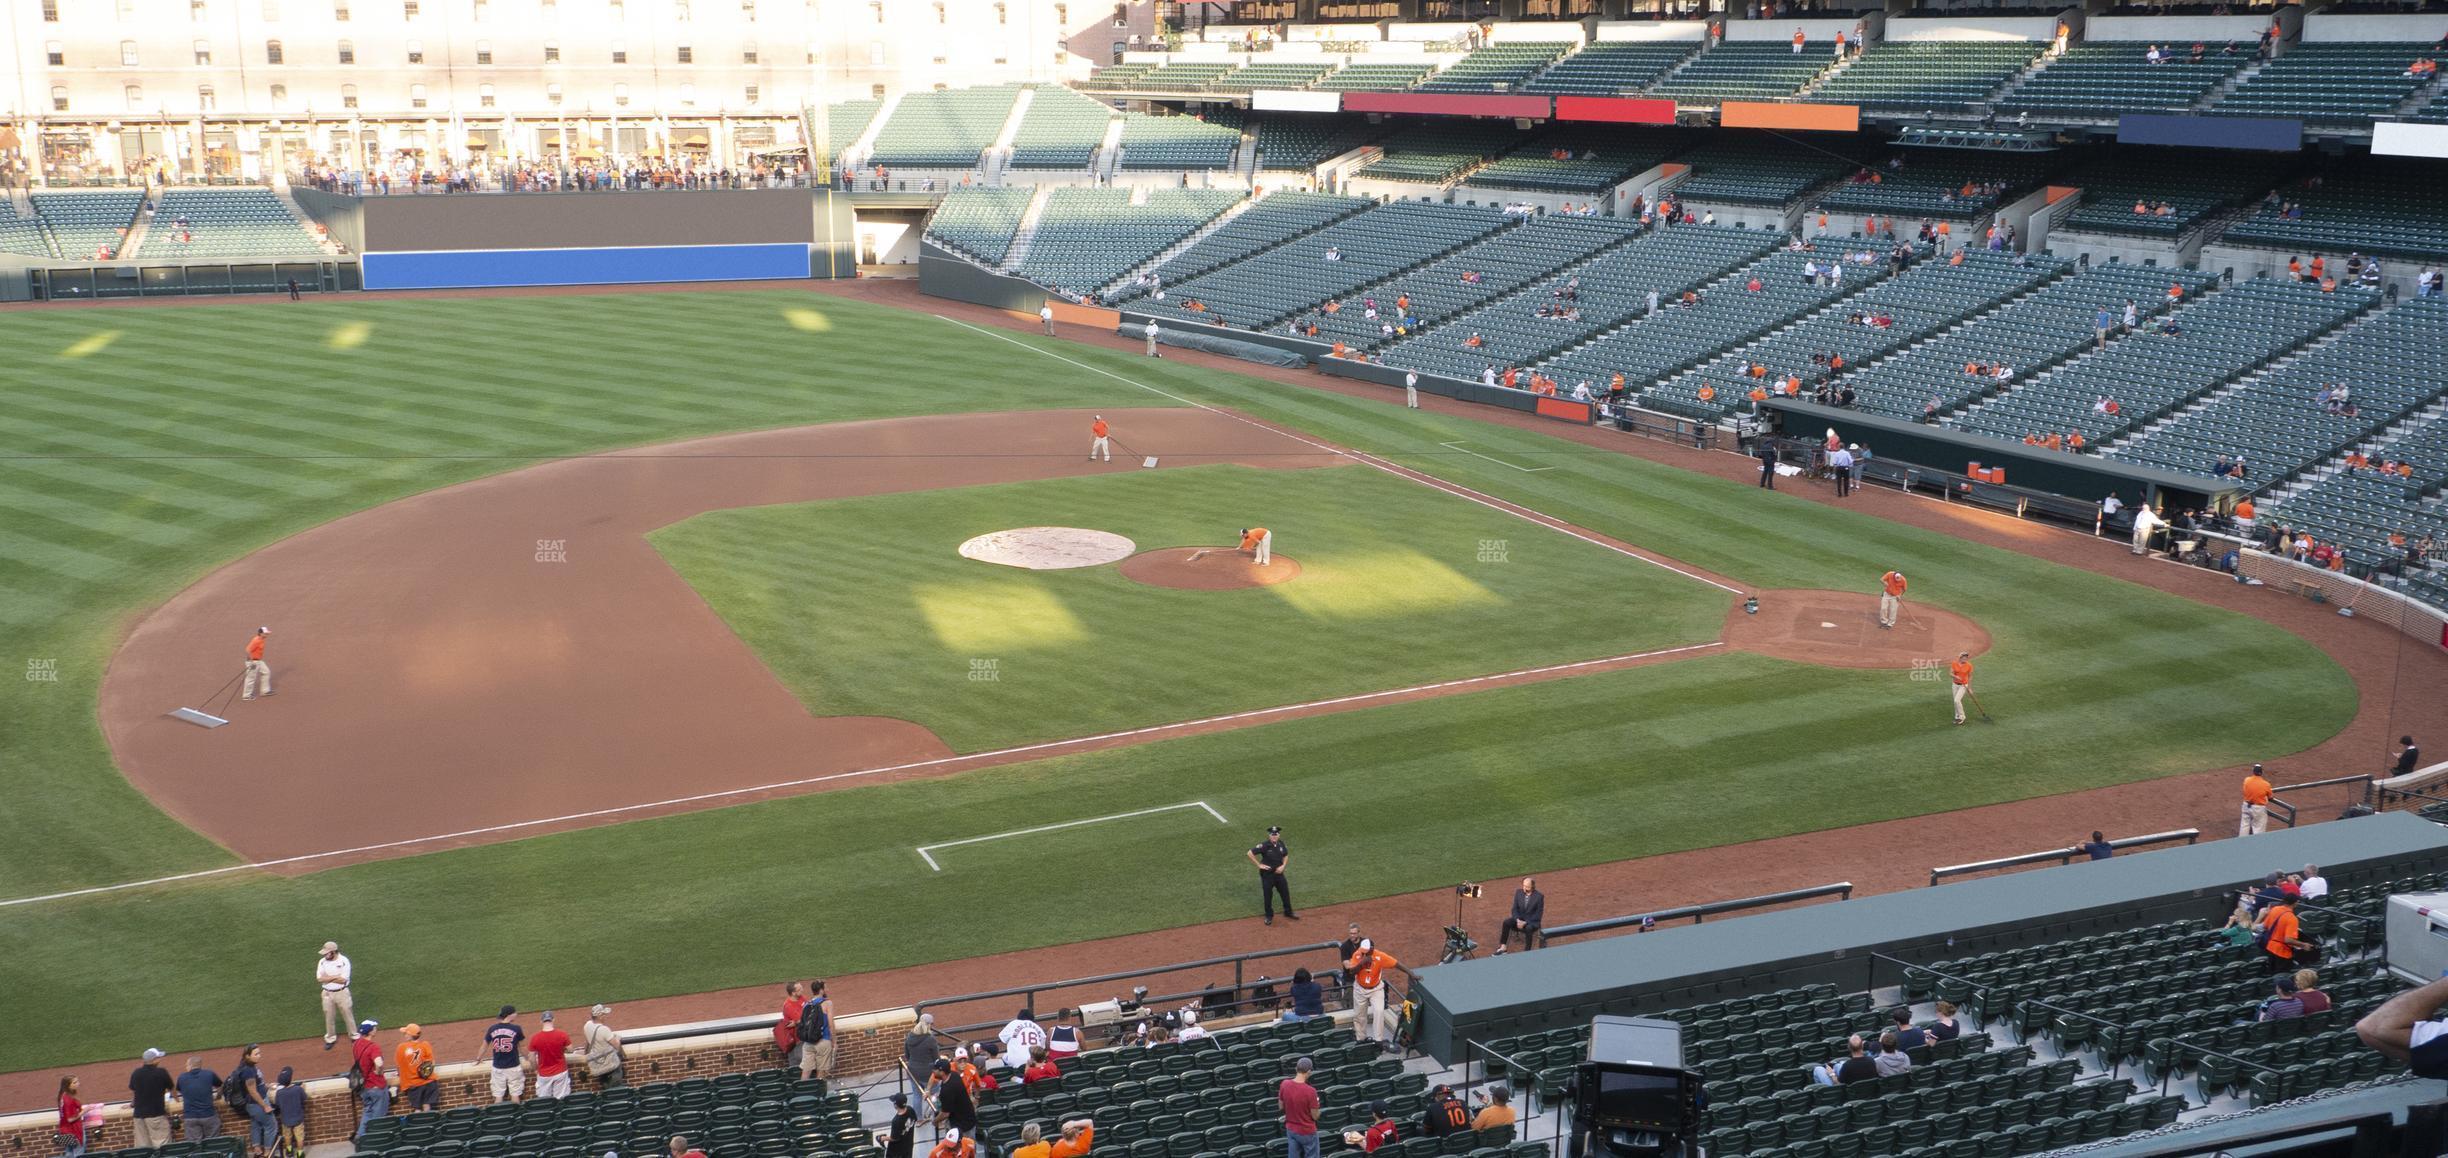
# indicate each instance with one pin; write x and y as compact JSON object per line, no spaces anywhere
{"x":152,"y":1055}
{"x":1380,"y":1108}
{"x":547,"y":1015}
{"x":412,"y":1029}
{"x":899,"y":1099}
{"x":601,"y":1011}
{"x":264,"y":630}
{"x":1365,"y":943}
{"x":952,"y":1135}
{"x":368,"y":1025}
{"x":331,"y":946}
{"x":1304,"y":1065}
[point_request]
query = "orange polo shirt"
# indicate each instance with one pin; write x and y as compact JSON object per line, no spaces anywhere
{"x":255,"y":647}
{"x":1962,"y":670}
{"x":1097,"y":428}
{"x":2256,"y":789}
{"x":1370,"y":975}
{"x":1251,"y":537}
{"x":1074,"y":1147}
{"x":2283,"y":928}
{"x":1893,"y":581}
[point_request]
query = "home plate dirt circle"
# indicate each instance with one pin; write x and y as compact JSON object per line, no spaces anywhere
{"x":1206,"y":569}
{"x":1841,"y":629}
{"x":1048,"y":548}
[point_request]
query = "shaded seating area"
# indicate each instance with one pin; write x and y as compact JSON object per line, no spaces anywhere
{"x":2384,"y":207}
{"x":2329,"y":83}
{"x":2102,"y":79}
{"x":764,"y":1114}
{"x":1373,"y":77}
{"x":1756,"y":169}
{"x":1487,"y":269}
{"x":1747,"y":70}
{"x":1086,"y":238}
{"x":2028,"y":335}
{"x":1176,"y":142}
{"x":1438,"y":153}
{"x":1305,"y":142}
{"x":943,"y":129}
{"x":979,"y":222}
{"x":2112,"y":188}
{"x":1060,"y":130}
{"x":1577,"y":161}
{"x":1613,"y":67}
{"x":1497,"y":67}
{"x":1946,"y":76}
{"x":1267,"y":288}
{"x":226,"y":223}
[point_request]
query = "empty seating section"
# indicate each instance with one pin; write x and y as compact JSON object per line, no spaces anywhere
{"x":1119,"y":76}
{"x":2389,"y":361}
{"x":1437,"y":153}
{"x":2147,"y":375}
{"x":1252,"y":77}
{"x":1497,"y":67}
{"x":846,"y":122}
{"x":89,"y":225}
{"x":1755,"y":170}
{"x":1940,"y":184}
{"x":1939,"y":76}
{"x":2105,"y":79}
{"x":2112,"y":188}
{"x":1268,"y":222}
{"x":1060,"y":130}
{"x":1920,"y":301}
{"x":1495,"y":265}
{"x":2385,"y":208}
{"x":768,"y":1113}
{"x":1651,"y":347}
{"x":1612,"y":68}
{"x":1367,"y":77}
{"x":2328,"y":84}
{"x":1275,"y":284}
{"x":1305,"y":142}
{"x":1614,"y":286}
{"x":1183,"y":75}
{"x":946,"y":129}
{"x":23,"y":234}
{"x":2362,"y":508}
{"x":1749,"y":70}
{"x":220,"y":223}
{"x":979,"y":222}
{"x":1088,"y":237}
{"x":1569,"y":161}
{"x":2028,"y":335}
{"x":1175,"y":142}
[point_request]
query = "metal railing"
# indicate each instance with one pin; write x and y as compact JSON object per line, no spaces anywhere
{"x":2205,"y":1051}
{"x":1029,"y":993}
{"x":1980,"y":990}
{"x":1522,"y":1092}
{"x":1840,"y":889}
{"x":2287,"y":811}
{"x":2061,"y":856}
{"x":2115,"y":1059}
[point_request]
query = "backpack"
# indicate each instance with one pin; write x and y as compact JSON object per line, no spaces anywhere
{"x":234,"y":1091}
{"x":812,"y":1021}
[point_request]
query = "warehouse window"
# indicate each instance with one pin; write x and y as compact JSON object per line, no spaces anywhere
{"x":203,"y":52}
{"x":204,"y":97}
{"x":687,"y":55}
{"x":484,"y":52}
{"x":416,"y":96}
{"x":127,"y":53}
{"x":416,"y":52}
{"x":272,"y":52}
{"x":348,"y":52}
{"x":348,"y":96}
{"x":53,"y":54}
{"x":552,"y":51}
{"x":484,"y":96}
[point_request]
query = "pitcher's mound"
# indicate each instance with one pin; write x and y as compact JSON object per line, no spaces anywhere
{"x":1218,"y":569}
{"x":1048,"y":548}
{"x":1841,"y":629}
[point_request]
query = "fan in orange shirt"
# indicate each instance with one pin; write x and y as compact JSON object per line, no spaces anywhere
{"x":1260,"y":543}
{"x":1891,"y":597}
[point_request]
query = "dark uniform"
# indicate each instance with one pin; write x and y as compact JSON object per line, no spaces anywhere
{"x":1767,"y":459}
{"x":1271,"y":855}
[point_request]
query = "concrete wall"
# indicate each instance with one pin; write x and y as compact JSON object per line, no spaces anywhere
{"x":2423,"y":29}
{"x":2211,"y":30}
{"x":2133,"y":250}
{"x":1971,"y":28}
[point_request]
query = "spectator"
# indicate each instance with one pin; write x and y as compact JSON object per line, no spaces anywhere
{"x":1853,"y":1068}
{"x":1445,"y":1115}
{"x":1367,"y":967}
{"x":2307,"y":991}
{"x":604,"y":1057}
{"x":71,"y":1131}
{"x":1191,"y":1030}
{"x":2281,"y":945}
{"x":1891,"y":1058}
{"x":1529,"y":915}
{"x":415,"y":1058}
{"x":2097,"y":847}
{"x":199,"y":1109}
{"x":1945,"y":1028}
{"x":1032,"y":1143}
{"x":1908,"y":1037}
{"x":1078,"y":1135}
{"x":1040,"y":1068}
{"x":680,"y":1148}
{"x":551,"y":1049}
{"x":2409,"y":757}
{"x":502,"y":1040}
{"x":374,"y":1096}
{"x":1062,"y":1043}
{"x":1019,"y":1035}
{"x":902,"y":1132}
{"x":955,"y":1107}
{"x":1308,"y":997}
{"x":1380,"y":1131}
{"x":2282,"y":1004}
{"x":919,"y":1050}
{"x":332,"y":976}
{"x":2400,"y":1031}
{"x":1498,"y":1111}
{"x":253,"y":1100}
{"x":289,"y":1107}
{"x":1299,"y":1101}
{"x":786,"y":1028}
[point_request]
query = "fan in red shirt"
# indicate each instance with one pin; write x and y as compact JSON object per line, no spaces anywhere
{"x":1380,"y":1131}
{"x":786,"y":1031}
{"x":551,"y":1049}
{"x":1040,"y":1067}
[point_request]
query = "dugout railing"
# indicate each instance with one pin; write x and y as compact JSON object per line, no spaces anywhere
{"x":1842,"y":890}
{"x":2061,"y":856}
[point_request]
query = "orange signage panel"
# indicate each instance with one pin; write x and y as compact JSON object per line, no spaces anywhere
{"x":1806,"y":118}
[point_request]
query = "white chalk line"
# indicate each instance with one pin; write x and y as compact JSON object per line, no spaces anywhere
{"x":993,"y":756}
{"x":927,"y":851}
{"x":1492,"y":458}
{"x":1393,"y":468}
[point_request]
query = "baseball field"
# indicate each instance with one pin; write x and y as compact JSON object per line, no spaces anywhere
{"x":584,"y":682}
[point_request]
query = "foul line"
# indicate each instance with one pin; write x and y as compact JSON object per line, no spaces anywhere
{"x":926,"y":851}
{"x":997,"y":755}
{"x":1492,"y":458}
{"x":1398,"y":470}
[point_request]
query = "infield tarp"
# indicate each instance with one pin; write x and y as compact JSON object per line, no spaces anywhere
{"x":459,"y":269}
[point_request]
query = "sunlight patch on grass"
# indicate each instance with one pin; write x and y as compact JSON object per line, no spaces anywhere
{"x":988,"y":619}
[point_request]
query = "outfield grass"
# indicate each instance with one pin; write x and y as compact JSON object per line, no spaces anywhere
{"x":134,"y":468}
{"x":1399,"y":585}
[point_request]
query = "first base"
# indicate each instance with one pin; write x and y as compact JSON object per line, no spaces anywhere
{"x":1148,"y":463}
{"x":199,"y":719}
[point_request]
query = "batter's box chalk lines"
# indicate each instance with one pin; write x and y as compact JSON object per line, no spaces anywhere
{"x":926,"y":852}
{"x":979,"y":759}
{"x":1492,"y":458}
{"x":1424,"y":479}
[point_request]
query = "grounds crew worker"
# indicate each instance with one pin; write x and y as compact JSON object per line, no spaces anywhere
{"x":1891,"y":597}
{"x":2255,"y":818}
{"x":1098,"y":444}
{"x":255,"y":666}
{"x":1271,"y":857}
{"x":1260,"y":543}
{"x":1961,"y":670}
{"x":1367,"y":971}
{"x":1151,"y":339}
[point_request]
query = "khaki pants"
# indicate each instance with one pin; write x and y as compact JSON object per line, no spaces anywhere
{"x":1049,"y":324}
{"x":1152,"y":346}
{"x":1101,"y":448}
{"x":1368,"y":1013}
{"x":2254,"y":821}
{"x":1888,"y":606}
{"x":255,"y":668}
{"x":816,"y":1059}
{"x":1960,"y":689}
{"x":338,"y":1002}
{"x":152,"y":1133}
{"x":1266,"y":549}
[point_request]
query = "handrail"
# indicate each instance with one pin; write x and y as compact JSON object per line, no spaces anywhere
{"x":1979,"y":987}
{"x":1697,"y":913}
{"x":1236,"y":960}
{"x":2062,"y":856}
{"x":2288,"y":811}
{"x":2205,"y":1051}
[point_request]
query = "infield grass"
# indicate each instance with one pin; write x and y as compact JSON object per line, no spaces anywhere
{"x":191,"y":435}
{"x":863,"y":607}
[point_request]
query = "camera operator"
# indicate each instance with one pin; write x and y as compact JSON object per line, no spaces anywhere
{"x":1529,"y":913}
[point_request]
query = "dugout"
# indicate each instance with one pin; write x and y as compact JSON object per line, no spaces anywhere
{"x":2031,"y":473}
{"x":1839,"y":943}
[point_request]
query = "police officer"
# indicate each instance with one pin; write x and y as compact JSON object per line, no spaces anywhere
{"x":1272,"y":857}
